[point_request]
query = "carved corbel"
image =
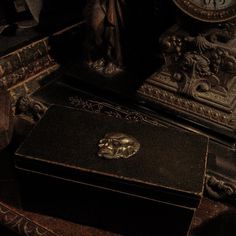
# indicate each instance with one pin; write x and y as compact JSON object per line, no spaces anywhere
{"x":30,"y":107}
{"x":219,"y":189}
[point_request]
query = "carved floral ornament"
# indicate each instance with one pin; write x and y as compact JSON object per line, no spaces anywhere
{"x":203,"y":62}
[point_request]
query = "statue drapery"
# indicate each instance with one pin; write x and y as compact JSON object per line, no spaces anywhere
{"x":106,"y":22}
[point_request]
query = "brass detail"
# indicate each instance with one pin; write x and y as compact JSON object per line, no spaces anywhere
{"x":118,"y":145}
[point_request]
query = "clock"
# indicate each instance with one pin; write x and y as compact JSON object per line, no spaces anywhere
{"x":214,"y":11}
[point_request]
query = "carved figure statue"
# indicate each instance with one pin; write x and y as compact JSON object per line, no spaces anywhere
{"x":105,"y":20}
{"x":118,"y":145}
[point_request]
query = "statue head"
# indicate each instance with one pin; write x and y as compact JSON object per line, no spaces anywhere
{"x":118,"y":145}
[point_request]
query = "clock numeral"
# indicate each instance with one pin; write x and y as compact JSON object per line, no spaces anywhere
{"x":222,"y":2}
{"x":208,"y":2}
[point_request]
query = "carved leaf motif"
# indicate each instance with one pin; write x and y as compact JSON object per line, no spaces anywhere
{"x":204,"y":62}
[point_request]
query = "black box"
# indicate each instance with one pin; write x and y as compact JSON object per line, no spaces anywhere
{"x":154,"y":192}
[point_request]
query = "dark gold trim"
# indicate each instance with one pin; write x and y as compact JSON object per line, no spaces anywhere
{"x":112,"y":110}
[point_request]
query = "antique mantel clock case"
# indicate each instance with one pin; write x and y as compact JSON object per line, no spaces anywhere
{"x":197,"y":81}
{"x":198,"y":77}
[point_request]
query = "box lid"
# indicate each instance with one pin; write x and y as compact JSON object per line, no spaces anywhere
{"x":169,"y":166}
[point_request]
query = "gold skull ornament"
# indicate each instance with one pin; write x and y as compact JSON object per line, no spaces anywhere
{"x":118,"y":145}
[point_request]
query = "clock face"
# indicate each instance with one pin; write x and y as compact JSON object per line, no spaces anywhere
{"x":209,"y":10}
{"x":213,"y":4}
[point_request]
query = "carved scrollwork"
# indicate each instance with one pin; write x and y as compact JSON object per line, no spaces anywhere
{"x":111,"y":110}
{"x":20,"y":224}
{"x":30,"y":107}
{"x":201,"y":63}
{"x":219,"y":189}
{"x":195,"y":75}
